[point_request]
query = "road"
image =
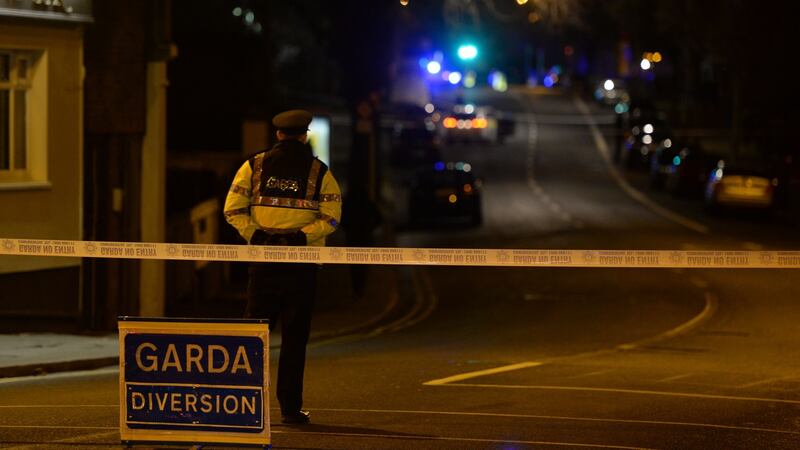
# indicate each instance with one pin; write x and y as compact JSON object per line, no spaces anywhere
{"x":534,"y":358}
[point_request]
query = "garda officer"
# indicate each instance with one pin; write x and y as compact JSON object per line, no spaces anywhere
{"x":285,"y":196}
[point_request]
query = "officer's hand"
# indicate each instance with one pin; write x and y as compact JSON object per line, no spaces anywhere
{"x":260,"y":237}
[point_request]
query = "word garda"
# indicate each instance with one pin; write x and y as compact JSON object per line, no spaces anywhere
{"x":213,"y":359}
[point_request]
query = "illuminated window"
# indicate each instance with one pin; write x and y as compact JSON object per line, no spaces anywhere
{"x":21,"y":100}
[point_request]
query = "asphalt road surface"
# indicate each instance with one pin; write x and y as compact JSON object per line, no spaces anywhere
{"x":533,"y":358}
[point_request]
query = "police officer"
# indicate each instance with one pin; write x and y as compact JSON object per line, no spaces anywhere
{"x":285,"y":196}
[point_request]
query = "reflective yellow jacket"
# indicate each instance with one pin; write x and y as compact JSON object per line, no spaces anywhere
{"x":284,"y":190}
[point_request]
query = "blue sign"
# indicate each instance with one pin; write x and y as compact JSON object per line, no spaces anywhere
{"x":190,"y":408}
{"x":197,"y":359}
{"x":194,"y":381}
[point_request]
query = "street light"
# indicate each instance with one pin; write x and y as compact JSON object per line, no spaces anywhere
{"x":434,"y":67}
{"x":522,"y":2}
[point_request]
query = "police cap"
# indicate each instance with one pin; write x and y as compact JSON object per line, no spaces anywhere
{"x":292,"y":122}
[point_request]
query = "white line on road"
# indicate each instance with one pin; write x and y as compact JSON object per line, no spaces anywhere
{"x":58,"y":406}
{"x":699,"y":282}
{"x":765,"y":381}
{"x":59,"y":427}
{"x":590,"y":374}
{"x":565,"y":418}
{"x":58,"y":375}
{"x":82,"y":440}
{"x":708,"y":310}
{"x":480,"y":373}
{"x":533,"y":138}
{"x":452,"y":439}
{"x":675,"y":377}
{"x":629,"y":391}
{"x":602,"y":148}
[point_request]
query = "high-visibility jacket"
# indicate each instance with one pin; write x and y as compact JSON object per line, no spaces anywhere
{"x":284,"y":190}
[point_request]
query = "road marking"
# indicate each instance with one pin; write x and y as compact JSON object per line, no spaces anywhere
{"x":675,"y":377}
{"x":59,"y":427}
{"x":58,"y":406}
{"x":74,"y":441}
{"x":590,"y":374}
{"x":52,"y":376}
{"x":602,"y":148}
{"x":452,"y":439}
{"x":565,"y":418}
{"x":530,"y":158}
{"x":764,"y":381}
{"x":432,"y":300}
{"x":708,"y":310}
{"x":628,"y":391}
{"x":480,"y":373}
{"x":351,"y":334}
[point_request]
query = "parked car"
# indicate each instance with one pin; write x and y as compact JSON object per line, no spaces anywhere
{"x":414,"y":147}
{"x":741,"y":186}
{"x":445,"y":194}
{"x":661,"y":162}
{"x":689,"y":171}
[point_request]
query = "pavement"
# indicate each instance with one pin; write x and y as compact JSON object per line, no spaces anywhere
{"x":338,"y":314}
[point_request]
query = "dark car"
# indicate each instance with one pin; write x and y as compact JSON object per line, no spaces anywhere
{"x":445,"y":194}
{"x":689,"y":171}
{"x":641,"y":139}
{"x":661,"y":162}
{"x":414,"y":146}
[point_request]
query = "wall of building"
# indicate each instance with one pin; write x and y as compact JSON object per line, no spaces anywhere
{"x":50,"y":207}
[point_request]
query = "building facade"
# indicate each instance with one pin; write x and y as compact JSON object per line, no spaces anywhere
{"x":41,"y":152}
{"x":82,"y":156}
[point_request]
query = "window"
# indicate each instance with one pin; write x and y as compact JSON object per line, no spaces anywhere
{"x":20,"y":97}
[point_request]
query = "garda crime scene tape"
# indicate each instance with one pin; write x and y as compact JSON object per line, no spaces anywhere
{"x":710,"y":259}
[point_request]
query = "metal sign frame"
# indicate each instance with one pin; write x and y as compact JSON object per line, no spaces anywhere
{"x":194,"y":381}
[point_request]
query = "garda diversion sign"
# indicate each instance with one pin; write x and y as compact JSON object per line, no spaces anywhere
{"x":194,"y":381}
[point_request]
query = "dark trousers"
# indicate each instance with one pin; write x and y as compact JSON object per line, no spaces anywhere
{"x":284,"y":294}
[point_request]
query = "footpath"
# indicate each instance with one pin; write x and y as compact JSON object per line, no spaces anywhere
{"x":338,"y":313}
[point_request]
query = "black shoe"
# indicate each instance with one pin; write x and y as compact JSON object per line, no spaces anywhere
{"x":296,"y":417}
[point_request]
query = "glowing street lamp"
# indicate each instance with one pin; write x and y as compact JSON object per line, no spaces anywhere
{"x":467,"y":52}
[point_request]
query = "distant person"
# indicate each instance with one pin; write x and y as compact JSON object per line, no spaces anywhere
{"x":285,"y":196}
{"x":360,"y":218}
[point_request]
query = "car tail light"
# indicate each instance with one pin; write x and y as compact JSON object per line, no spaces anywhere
{"x":450,"y":122}
{"x":479,"y":122}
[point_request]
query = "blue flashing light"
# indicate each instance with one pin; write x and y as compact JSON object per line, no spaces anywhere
{"x":423,"y":63}
{"x":439,"y":166}
{"x":434,"y":67}
{"x":549,"y":82}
